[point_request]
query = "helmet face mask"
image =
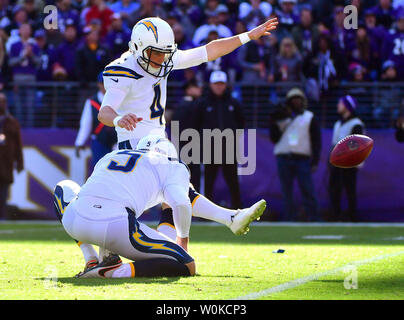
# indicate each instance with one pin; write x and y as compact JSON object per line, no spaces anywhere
{"x":151,"y":38}
{"x":163,"y":69}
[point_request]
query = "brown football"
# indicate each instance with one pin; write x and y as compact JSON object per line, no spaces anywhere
{"x":351,"y":151}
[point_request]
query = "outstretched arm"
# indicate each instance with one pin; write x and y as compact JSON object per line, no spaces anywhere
{"x":194,"y":57}
{"x":221,"y":47}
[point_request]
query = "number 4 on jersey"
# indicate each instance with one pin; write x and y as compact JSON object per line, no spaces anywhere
{"x":156,"y":109}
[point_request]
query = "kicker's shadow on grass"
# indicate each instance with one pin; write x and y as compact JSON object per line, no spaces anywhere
{"x":108,"y":282}
{"x":226,"y":276}
{"x":104,"y":282}
{"x":329,"y":280}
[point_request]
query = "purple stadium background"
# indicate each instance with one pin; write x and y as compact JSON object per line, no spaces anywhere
{"x":380,"y":181}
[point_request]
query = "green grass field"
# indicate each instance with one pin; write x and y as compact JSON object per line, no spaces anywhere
{"x":39,"y":261}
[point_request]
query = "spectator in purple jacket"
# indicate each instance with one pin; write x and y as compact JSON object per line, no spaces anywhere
{"x":397,"y":4}
{"x":148,"y":8}
{"x":213,"y":24}
{"x":223,"y":14}
{"x":288,"y":17}
{"x":65,"y":63}
{"x":6,"y":11}
{"x":125,"y":8}
{"x":4,"y":73}
{"x":213,"y":7}
{"x":47,"y":56}
{"x":365,"y":54}
{"x":324,"y":64}
{"x":24,"y":61}
{"x":254,"y":12}
{"x":389,"y":71}
{"x":12,"y":30}
{"x":288,"y":63}
{"x":322,"y":11}
{"x":18,"y":17}
{"x":91,"y":57}
{"x":96,"y":24}
{"x":376,"y":33}
{"x":44,"y":94}
{"x":117,"y":37}
{"x":189,"y":15}
{"x":343,"y":38}
{"x":251,"y":58}
{"x":306,"y":34}
{"x":233,"y":12}
{"x":66,"y":12}
{"x":393,"y":45}
{"x":32,"y":11}
{"x":385,"y":13}
{"x":183,"y":44}
{"x":387,"y":107}
{"x":357,"y":72}
{"x":343,"y":42}
{"x":224,"y":63}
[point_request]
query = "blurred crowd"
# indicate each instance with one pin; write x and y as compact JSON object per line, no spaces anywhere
{"x":310,"y":43}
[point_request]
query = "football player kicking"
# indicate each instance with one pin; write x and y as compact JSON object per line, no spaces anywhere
{"x":136,"y":91}
{"x":106,"y":210}
{"x":135,"y":99}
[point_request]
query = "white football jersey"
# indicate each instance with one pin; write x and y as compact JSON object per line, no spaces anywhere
{"x":135,"y":179}
{"x":145,"y":95}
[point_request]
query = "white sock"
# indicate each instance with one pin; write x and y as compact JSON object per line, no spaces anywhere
{"x":126,"y":270}
{"x":103,"y":253}
{"x":168,"y":231}
{"x":88,"y":251}
{"x":204,"y":208}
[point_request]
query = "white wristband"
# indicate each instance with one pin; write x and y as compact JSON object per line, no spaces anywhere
{"x":244,"y":38}
{"x":115,"y":122}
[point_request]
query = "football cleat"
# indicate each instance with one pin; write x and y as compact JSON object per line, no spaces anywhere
{"x":104,"y":269}
{"x":242,"y":219}
{"x":90,"y":264}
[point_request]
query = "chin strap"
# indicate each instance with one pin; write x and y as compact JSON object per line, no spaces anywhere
{"x":132,"y":47}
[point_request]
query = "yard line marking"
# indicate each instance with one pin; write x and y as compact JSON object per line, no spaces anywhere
{"x":12,"y":231}
{"x":305,"y":224}
{"x":324,"y":237}
{"x":396,"y":238}
{"x":46,"y":222}
{"x":327,"y":224}
{"x":315,"y":276}
{"x":254,"y":224}
{"x":6,"y":231}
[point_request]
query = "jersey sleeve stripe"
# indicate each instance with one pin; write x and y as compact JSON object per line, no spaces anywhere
{"x":121,"y":71}
{"x":118,"y":74}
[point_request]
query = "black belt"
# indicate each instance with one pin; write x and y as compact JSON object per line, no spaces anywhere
{"x":125,"y":145}
{"x":293,"y":156}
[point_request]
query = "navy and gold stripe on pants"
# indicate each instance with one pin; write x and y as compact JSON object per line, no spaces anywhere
{"x":140,"y":241}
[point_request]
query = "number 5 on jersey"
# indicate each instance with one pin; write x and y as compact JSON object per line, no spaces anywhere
{"x":129,"y":165}
{"x":157,"y":111}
